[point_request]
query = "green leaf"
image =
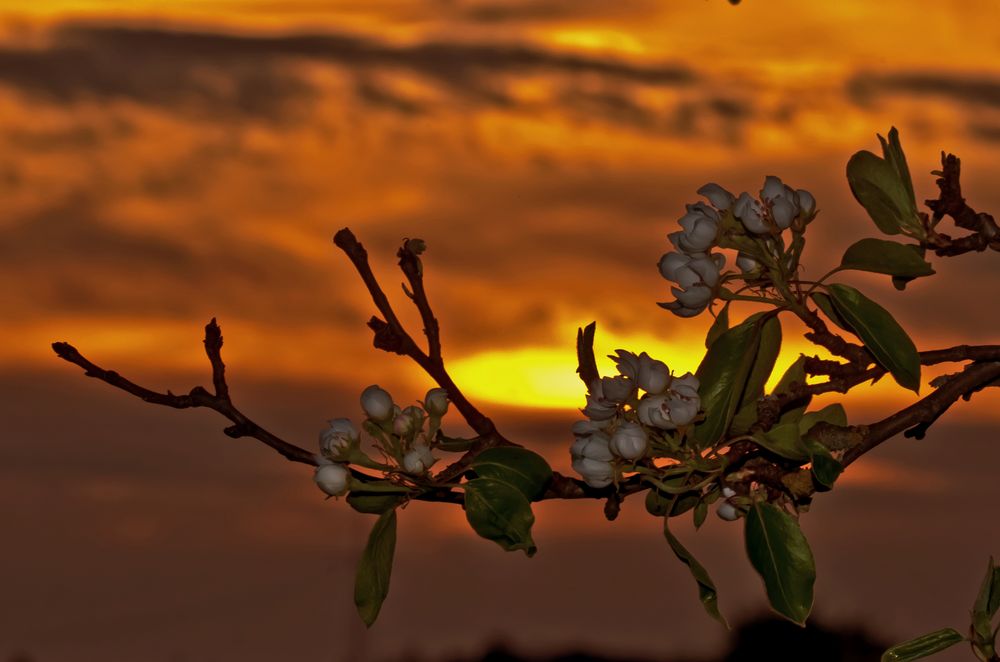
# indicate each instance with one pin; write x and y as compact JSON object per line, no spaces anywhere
{"x":780,"y":553}
{"x":763,"y":365}
{"x":825,"y":469}
{"x":884,"y":188}
{"x":707,"y":593}
{"x":700,"y":513}
{"x":500,"y":512}
{"x":833,"y":414}
{"x":795,"y":374}
{"x":723,"y":375}
{"x":986,"y":606}
{"x":784,"y":440}
{"x":886,"y":257}
{"x":373,"y":503}
{"x":719,"y":326}
{"x":825,"y":303}
{"x":881,"y":334}
{"x":523,"y":469}
{"x":371,"y":585}
{"x":914,"y":649}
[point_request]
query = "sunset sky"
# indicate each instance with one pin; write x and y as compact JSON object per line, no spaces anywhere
{"x":161,"y":166}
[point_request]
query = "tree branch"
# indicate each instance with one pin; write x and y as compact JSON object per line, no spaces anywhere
{"x":984,"y":231}
{"x":198,"y":396}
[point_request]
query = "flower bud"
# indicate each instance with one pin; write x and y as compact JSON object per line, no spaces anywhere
{"x":334,"y":479}
{"x":338,"y":437}
{"x":617,"y":389}
{"x":408,"y":421}
{"x":728,"y":492}
{"x":698,"y":278}
{"x":751,"y":214}
{"x":418,"y":460}
{"x":784,"y":210}
{"x":700,"y":229}
{"x":720,"y":198}
{"x":436,"y":402}
{"x":728,"y":512}
{"x":807,"y":203}
{"x":773,"y":189}
{"x":599,"y":408}
{"x":654,"y":376}
{"x":586,"y":428}
{"x":377,"y":403}
{"x":629,"y":441}
{"x":592,"y":459}
{"x":747,"y":264}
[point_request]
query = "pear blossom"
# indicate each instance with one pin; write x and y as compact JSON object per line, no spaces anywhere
{"x":599,"y":407}
{"x":720,"y":198}
{"x":698,"y":278}
{"x":334,"y":479}
{"x":629,"y":441}
{"x":699,"y":229}
{"x":676,"y":408}
{"x":377,"y":403}
{"x":746,"y":263}
{"x":617,"y":389}
{"x":339,"y":436}
{"x":751,"y":213}
{"x":728,"y":512}
{"x":585,"y":428}
{"x":592,"y":459}
{"x":650,"y":375}
{"x":806,"y":202}
{"x":436,"y":402}
{"x":408,"y":421}
{"x":418,"y":459}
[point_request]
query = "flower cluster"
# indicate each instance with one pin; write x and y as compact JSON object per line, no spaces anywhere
{"x":404,"y":437}
{"x":742,"y":222}
{"x":630,"y":413}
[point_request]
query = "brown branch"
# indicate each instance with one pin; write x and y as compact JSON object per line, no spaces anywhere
{"x":926,"y":410}
{"x":197,"y":397}
{"x":409,"y":263}
{"x":983,"y":228}
{"x":390,"y":335}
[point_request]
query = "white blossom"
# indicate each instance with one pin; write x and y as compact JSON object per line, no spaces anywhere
{"x":720,"y":198}
{"x":436,"y":402}
{"x":698,"y":278}
{"x":751,"y":213}
{"x":599,"y":408}
{"x":617,"y":389}
{"x":418,"y":459}
{"x":746,"y":263}
{"x":334,"y":479}
{"x":377,"y":403}
{"x":727,"y":511}
{"x":676,"y":408}
{"x":592,"y":459}
{"x":629,"y":441}
{"x":700,"y":229}
{"x":807,"y":203}
{"x":339,"y":436}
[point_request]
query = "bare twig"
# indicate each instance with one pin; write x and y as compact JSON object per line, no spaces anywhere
{"x":197,"y":397}
{"x":983,"y":228}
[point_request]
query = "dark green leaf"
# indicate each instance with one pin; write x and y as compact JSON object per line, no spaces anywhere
{"x":986,"y":606}
{"x":723,"y":375}
{"x":657,"y":503}
{"x":706,"y":587}
{"x":914,"y":649}
{"x":833,"y":414}
{"x":719,"y":326}
{"x":886,"y":257}
{"x":825,"y":303}
{"x":892,"y":150}
{"x":825,"y":469}
{"x":884,"y":188}
{"x":881,"y":334}
{"x":780,"y":553}
{"x":525,"y":470}
{"x":373,"y":503}
{"x":795,"y":374}
{"x":371,"y":585}
{"x":455,"y":444}
{"x":700,"y":513}
{"x":499,"y":512}
{"x":763,"y":365}
{"x":784,"y":440}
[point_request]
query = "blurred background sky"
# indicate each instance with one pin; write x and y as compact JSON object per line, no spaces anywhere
{"x":160,"y":165}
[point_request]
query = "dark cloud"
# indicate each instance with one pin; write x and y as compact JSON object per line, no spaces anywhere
{"x":971,"y":90}
{"x":554,"y":10}
{"x":216,"y":73}
{"x":67,"y":258}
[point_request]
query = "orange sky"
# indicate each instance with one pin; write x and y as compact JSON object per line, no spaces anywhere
{"x":171,"y":162}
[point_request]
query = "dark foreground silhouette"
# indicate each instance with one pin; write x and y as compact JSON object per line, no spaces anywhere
{"x":763,"y":639}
